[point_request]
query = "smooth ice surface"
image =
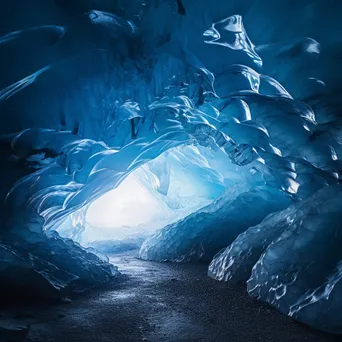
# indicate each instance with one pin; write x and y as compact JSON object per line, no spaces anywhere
{"x":220,"y":118}
{"x":286,"y":262}
{"x":200,"y":235}
{"x":49,"y":266}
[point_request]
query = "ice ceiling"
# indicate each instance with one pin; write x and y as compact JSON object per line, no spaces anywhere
{"x":219,"y":124}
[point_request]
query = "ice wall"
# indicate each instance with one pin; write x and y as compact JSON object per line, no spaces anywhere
{"x":93,"y":91}
{"x":200,"y":235}
{"x":292,"y":260}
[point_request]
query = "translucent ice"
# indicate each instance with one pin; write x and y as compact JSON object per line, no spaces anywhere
{"x":200,"y":235}
{"x":286,"y":263}
{"x":231,"y":33}
{"x":218,"y":131}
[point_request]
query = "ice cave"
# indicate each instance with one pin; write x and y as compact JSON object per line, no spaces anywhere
{"x":170,"y":170}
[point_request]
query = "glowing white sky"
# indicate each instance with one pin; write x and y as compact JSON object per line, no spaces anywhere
{"x":131,"y":204}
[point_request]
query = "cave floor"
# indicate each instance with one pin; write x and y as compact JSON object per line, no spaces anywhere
{"x":161,"y":302}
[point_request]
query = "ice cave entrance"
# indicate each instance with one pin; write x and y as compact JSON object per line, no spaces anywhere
{"x":175,"y":184}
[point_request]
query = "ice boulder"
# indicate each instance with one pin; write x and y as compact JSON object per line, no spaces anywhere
{"x":202,"y":234}
{"x":292,"y":260}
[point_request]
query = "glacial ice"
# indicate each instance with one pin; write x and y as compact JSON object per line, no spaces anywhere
{"x":231,"y":33}
{"x":200,"y":235}
{"x":230,"y":123}
{"x":49,"y":267}
{"x":285,"y":261}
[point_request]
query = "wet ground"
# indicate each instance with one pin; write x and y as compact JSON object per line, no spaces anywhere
{"x":159,"y":302}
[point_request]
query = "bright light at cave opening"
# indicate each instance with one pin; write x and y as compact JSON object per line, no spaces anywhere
{"x":166,"y":189}
{"x":128,"y":206}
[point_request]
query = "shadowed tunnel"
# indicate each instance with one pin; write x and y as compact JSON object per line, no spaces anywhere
{"x":159,"y":158}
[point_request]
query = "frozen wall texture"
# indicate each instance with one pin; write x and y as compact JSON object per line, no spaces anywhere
{"x":242,"y":95}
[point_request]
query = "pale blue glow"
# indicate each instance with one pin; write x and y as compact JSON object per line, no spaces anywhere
{"x":215,"y":128}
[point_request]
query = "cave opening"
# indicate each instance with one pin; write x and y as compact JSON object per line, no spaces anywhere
{"x":158,"y":193}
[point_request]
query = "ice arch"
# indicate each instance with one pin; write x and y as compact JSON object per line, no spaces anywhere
{"x":90,"y":96}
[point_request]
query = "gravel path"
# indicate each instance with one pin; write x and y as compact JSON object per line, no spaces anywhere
{"x":161,"y":302}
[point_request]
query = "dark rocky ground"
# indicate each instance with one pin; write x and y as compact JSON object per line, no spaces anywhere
{"x":157,"y":302}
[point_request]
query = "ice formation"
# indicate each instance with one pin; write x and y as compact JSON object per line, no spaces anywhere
{"x":285,"y":261}
{"x":226,"y":125}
